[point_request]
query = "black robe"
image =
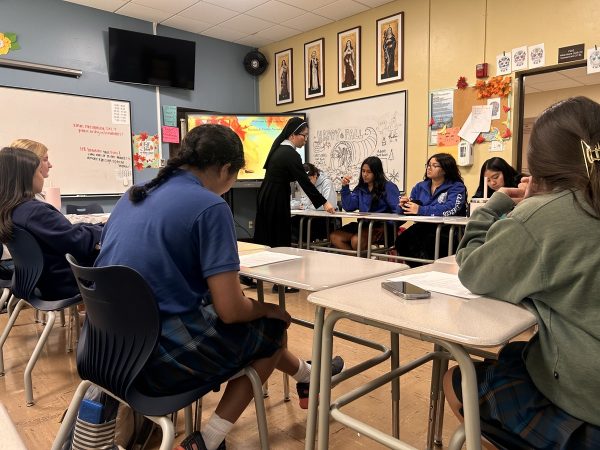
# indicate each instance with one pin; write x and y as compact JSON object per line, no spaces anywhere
{"x":273,"y":225}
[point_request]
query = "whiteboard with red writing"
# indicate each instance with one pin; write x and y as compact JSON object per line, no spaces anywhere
{"x":88,"y":138}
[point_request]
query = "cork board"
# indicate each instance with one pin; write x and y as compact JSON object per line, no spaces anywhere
{"x":465,"y":99}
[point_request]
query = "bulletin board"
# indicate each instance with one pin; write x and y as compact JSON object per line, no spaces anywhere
{"x":465,"y":99}
{"x":88,"y":138}
{"x":342,"y":135}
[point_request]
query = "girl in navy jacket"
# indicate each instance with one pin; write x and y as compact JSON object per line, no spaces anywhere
{"x":441,"y":193}
{"x":373,"y":193}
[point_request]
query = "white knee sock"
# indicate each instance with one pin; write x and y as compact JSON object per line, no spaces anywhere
{"x":303,"y":374}
{"x":215,"y":431}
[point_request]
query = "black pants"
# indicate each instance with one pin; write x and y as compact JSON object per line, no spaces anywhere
{"x":418,"y":241}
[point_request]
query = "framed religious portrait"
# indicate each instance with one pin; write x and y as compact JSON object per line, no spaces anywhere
{"x":349,"y":60}
{"x":390,"y":48}
{"x":284,"y":91}
{"x":314,"y":62}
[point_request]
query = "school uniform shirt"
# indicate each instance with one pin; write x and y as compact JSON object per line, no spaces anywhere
{"x":449,"y":199}
{"x":177,"y":237}
{"x":273,"y":224}
{"x":325,"y":186}
{"x":57,"y":237}
{"x":544,"y":255}
{"x":360,"y":198}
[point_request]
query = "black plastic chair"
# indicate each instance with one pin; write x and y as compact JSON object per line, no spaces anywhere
{"x":92,"y":208}
{"x":121,"y":330}
{"x":502,"y":439}
{"x":29,"y":264}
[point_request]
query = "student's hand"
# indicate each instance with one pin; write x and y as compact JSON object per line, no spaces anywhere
{"x":403,"y":200}
{"x":519,"y":193}
{"x":410,"y":208}
{"x":346,"y":180}
{"x":275,"y":312}
{"x":329,"y":208}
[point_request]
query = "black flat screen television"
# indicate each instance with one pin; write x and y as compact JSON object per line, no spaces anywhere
{"x":142,"y":58}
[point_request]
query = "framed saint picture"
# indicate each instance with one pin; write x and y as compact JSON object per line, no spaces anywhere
{"x":390,"y":48}
{"x":314,"y":62}
{"x":349,"y":60}
{"x":284,"y":91}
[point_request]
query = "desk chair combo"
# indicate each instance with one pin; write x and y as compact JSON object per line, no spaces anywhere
{"x":29,"y":264}
{"x":92,"y":208}
{"x":121,"y":331}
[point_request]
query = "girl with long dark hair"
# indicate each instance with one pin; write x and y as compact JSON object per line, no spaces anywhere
{"x":498,"y":174}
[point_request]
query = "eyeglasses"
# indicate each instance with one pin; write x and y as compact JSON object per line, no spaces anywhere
{"x":304,"y":135}
{"x":433,"y":166}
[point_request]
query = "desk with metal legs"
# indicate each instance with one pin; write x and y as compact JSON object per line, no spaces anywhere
{"x":451,"y":323}
{"x":315,"y":271}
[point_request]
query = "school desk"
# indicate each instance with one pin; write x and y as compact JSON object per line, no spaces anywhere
{"x":451,"y":323}
{"x":315,"y":271}
{"x":249,"y":247}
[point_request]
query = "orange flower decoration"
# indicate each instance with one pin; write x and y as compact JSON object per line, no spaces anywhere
{"x":495,"y":87}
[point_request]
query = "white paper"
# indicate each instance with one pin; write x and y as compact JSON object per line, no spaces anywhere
{"x":537,"y":56}
{"x":503,"y":63}
{"x":466,"y":132}
{"x":264,"y":258}
{"x":444,"y":283}
{"x":593,"y":60}
{"x":481,"y":118}
{"x":519,"y":58}
{"x":497,"y":146}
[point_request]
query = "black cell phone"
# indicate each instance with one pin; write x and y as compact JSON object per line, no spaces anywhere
{"x":405,"y":290}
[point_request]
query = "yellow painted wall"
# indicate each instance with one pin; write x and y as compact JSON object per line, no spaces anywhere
{"x":443,"y":39}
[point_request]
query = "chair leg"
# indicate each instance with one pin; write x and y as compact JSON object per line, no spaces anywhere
{"x":69,"y":418}
{"x":5,"y":295}
{"x":11,"y":321}
{"x":10,"y":307}
{"x":62,"y":317}
{"x":198,"y":415}
{"x":188,"y":419}
{"x":50,"y":318}
{"x":259,"y":403}
{"x":168,"y":433}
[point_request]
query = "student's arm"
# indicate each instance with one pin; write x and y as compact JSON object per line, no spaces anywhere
{"x":453,"y":204}
{"x":413,"y":194}
{"x":349,"y":198}
{"x":487,"y":259}
{"x":299,"y":175}
{"x":328,"y":191}
{"x":233,"y":307}
{"x":53,"y":229}
{"x":392,"y":195}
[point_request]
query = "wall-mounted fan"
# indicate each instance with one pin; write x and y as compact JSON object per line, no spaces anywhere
{"x":255,"y":62}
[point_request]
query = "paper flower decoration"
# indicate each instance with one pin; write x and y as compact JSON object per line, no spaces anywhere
{"x":431,"y":121}
{"x":461,"y":83}
{"x":505,"y":108}
{"x":8,"y":42}
{"x":495,"y":87}
{"x":480,"y":139}
{"x":507,"y":134}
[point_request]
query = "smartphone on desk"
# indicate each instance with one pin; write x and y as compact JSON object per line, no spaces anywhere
{"x":405,"y":290}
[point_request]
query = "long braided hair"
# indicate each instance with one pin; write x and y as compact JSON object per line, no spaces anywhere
{"x":204,"y":146}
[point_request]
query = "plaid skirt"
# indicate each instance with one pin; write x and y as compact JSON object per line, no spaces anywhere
{"x":509,"y":401}
{"x":198,"y":349}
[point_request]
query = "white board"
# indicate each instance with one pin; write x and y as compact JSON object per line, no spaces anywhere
{"x":88,"y":138}
{"x":342,"y":135}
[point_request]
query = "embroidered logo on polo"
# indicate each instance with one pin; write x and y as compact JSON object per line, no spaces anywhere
{"x":443,"y":197}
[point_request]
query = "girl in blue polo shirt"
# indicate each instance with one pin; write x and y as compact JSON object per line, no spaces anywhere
{"x":373,"y":193}
{"x":441,"y":193}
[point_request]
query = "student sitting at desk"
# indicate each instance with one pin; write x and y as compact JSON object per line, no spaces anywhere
{"x":441,"y":193}
{"x":546,"y":391}
{"x":373,"y":193}
{"x":178,"y":233}
{"x":41,"y":151}
{"x":21,"y":178}
{"x":498,"y":173}
{"x":325,"y":186}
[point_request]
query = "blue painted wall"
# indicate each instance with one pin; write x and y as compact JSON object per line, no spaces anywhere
{"x":59,"y":33}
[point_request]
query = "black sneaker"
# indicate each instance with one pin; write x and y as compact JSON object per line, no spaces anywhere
{"x":247,"y":281}
{"x":337,"y":365}
{"x":195,"y":442}
{"x":288,"y":290}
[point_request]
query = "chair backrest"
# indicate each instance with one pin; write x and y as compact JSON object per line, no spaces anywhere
{"x":122,"y":327}
{"x":92,"y":208}
{"x":29,"y":263}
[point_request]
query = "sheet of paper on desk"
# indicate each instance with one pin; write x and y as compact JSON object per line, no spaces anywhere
{"x":445,"y":283}
{"x":264,"y":258}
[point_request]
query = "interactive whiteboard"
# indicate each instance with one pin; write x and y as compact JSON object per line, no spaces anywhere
{"x":88,"y":138}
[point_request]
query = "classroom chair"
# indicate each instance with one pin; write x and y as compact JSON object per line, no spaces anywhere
{"x":29,"y":263}
{"x":92,"y":208}
{"x":121,"y":331}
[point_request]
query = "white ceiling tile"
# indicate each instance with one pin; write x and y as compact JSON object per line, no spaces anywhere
{"x":183,"y":23}
{"x":237,"y":5}
{"x":105,"y":5}
{"x":373,"y":3}
{"x":246,"y":24}
{"x":275,"y":11}
{"x":209,"y":13}
{"x":277,"y":33}
{"x":563,"y":83}
{"x":308,"y":5}
{"x":172,"y":6}
{"x":341,"y":9}
{"x":143,"y":12}
{"x":307,"y":22}
{"x":225,"y":35}
{"x":252,"y":40}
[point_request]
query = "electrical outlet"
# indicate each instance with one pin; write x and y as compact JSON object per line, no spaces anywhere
{"x":250,"y":224}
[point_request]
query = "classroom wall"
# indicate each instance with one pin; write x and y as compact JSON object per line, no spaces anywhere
{"x":444,"y":39}
{"x":59,"y":33}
